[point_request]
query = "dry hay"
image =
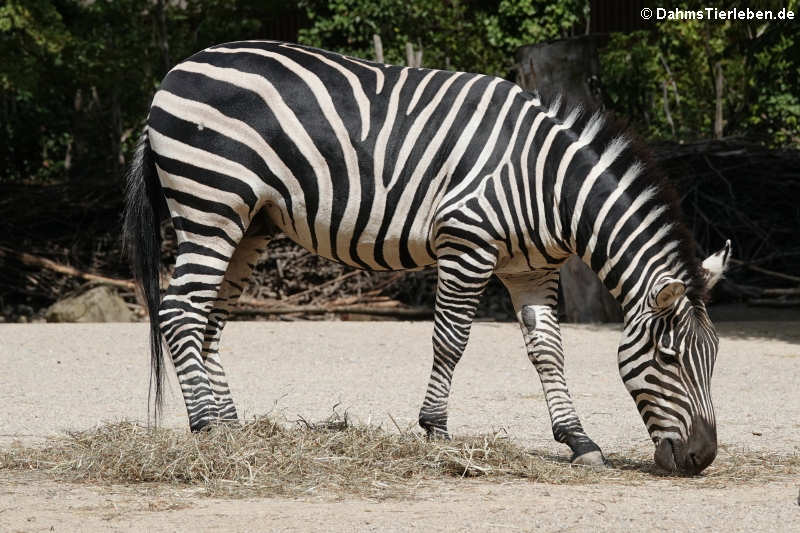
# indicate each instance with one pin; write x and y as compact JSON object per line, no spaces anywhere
{"x":334,"y":458}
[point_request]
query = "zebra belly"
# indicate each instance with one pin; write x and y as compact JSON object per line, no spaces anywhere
{"x":368,"y":250}
{"x":519,"y":263}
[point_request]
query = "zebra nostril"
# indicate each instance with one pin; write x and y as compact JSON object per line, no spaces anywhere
{"x":695,"y":461}
{"x":701,"y":448}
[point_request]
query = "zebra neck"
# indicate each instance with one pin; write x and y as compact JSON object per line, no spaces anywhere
{"x":624,"y":231}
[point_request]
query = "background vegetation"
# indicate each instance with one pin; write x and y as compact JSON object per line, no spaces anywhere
{"x":76,"y":78}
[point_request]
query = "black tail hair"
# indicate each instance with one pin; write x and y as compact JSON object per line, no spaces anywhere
{"x":142,"y":244}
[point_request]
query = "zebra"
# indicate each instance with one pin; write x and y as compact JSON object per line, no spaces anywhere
{"x":383,"y":167}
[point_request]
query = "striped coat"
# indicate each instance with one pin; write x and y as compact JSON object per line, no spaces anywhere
{"x":390,"y":168}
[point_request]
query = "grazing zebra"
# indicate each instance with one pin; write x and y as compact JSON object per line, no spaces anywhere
{"x":387,"y":168}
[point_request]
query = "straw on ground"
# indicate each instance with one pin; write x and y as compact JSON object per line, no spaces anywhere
{"x":264,"y":457}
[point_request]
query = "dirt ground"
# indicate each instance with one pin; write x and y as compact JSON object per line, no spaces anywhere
{"x":62,"y":377}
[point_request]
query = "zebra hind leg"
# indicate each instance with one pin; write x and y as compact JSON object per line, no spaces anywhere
{"x":183,"y":318}
{"x":241,"y":266}
{"x":461,"y":282}
{"x":535,"y":297}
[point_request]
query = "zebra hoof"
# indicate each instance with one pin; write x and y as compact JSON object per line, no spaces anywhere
{"x":438,"y":435}
{"x":203,"y":426}
{"x":215,"y":425}
{"x":593,"y":458}
{"x":435,"y":427}
{"x":435,"y":432}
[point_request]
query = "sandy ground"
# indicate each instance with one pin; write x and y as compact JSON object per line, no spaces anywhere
{"x":61,"y":377}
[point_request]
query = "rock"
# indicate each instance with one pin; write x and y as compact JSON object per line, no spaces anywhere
{"x":100,"y":304}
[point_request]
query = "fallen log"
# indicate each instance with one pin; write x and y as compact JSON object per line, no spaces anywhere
{"x":773,"y":302}
{"x":782,"y":292}
{"x":34,"y":260}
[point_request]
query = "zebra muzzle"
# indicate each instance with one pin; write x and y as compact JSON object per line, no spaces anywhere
{"x":691,"y":457}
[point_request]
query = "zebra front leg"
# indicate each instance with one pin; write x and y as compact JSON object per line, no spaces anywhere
{"x":458,"y":292}
{"x":236,"y":278}
{"x":535,"y":298}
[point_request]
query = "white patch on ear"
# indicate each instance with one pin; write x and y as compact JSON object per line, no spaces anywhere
{"x":668,"y":291}
{"x":714,"y":265}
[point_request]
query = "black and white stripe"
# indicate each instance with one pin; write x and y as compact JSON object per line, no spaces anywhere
{"x":388,"y":168}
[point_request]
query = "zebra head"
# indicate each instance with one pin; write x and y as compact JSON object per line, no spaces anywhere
{"x":666,"y":359}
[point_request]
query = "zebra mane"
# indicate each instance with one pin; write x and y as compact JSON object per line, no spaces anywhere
{"x":610,"y":130}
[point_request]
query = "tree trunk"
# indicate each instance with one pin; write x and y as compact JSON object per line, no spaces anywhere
{"x":163,"y":38}
{"x":378,"y":44}
{"x":584,"y":297}
{"x":118,"y":158}
{"x":571,"y":67}
{"x":719,"y":81}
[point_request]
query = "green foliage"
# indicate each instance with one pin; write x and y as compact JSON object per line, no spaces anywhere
{"x":75,"y":95}
{"x":448,"y":32}
{"x":34,"y":28}
{"x":458,"y":34}
{"x":520,"y":22}
{"x":773,"y":87}
{"x":760,"y":62}
{"x":77,"y":76}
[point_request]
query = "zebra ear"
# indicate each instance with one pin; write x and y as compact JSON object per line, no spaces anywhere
{"x":667,"y":291}
{"x":714,"y":265}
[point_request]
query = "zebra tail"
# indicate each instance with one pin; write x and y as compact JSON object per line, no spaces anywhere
{"x":144,"y":205}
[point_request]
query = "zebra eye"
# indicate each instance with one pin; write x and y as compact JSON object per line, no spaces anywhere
{"x":668,"y":356}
